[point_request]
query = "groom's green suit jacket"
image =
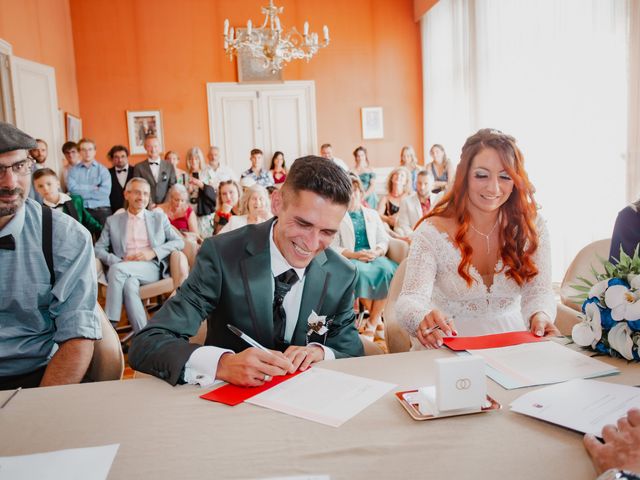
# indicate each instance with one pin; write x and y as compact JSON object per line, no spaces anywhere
{"x":231,"y":282}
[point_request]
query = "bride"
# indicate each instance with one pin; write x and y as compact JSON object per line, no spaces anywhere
{"x":480,"y":261}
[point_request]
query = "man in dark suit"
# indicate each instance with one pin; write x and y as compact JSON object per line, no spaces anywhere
{"x":276,"y":281}
{"x":160,"y":174}
{"x":121,"y":173}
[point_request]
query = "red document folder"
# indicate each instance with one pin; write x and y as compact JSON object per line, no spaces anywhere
{"x":491,"y":341}
{"x":233,"y":395}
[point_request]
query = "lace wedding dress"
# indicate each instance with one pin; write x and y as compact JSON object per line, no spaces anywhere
{"x":432,"y":282}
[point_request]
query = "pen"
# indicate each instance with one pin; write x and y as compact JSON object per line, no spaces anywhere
{"x":429,"y":331}
{"x":10,"y":397}
{"x":246,"y":338}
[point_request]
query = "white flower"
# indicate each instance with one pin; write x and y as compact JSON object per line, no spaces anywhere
{"x":624,"y":303}
{"x":620,"y":340}
{"x":598,"y":289}
{"x":588,"y":332}
{"x":634,"y":281}
{"x":317,"y":324}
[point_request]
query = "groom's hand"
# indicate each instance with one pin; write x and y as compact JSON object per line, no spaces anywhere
{"x":302,"y":357}
{"x":252,"y":367}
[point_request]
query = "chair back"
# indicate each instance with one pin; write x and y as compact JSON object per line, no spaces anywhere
{"x":107,"y":362}
{"x":581,"y":267}
{"x":370,"y":348}
{"x":395,"y":335}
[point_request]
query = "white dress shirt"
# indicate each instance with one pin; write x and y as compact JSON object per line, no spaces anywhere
{"x":202,"y":365}
{"x":122,"y":176}
{"x":62,"y":199}
{"x":155,"y":167}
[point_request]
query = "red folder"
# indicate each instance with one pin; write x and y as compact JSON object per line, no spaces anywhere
{"x":233,"y":394}
{"x":491,"y":341}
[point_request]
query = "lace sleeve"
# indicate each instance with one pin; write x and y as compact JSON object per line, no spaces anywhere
{"x":537,"y":294}
{"x":415,"y":298}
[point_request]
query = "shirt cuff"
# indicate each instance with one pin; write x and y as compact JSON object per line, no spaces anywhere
{"x":202,"y":366}
{"x":328,"y":353}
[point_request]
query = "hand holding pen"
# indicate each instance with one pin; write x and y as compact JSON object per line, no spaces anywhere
{"x":434,"y":327}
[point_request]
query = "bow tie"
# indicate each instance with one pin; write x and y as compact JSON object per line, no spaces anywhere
{"x":121,"y":170}
{"x":7,"y":243}
{"x":154,"y":163}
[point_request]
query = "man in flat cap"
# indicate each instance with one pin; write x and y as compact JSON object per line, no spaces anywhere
{"x":47,"y":277}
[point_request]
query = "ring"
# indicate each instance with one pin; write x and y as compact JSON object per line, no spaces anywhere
{"x":267,"y":378}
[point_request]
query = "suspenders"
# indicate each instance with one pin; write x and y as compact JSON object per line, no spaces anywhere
{"x":47,"y":241}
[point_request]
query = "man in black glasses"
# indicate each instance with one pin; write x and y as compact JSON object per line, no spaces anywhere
{"x":48,"y":281}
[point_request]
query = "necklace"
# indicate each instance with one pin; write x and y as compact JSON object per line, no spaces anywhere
{"x":485,"y":235}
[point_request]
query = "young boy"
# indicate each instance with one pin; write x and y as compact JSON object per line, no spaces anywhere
{"x":48,"y":186}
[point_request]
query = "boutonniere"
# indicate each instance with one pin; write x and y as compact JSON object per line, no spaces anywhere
{"x":317,"y":324}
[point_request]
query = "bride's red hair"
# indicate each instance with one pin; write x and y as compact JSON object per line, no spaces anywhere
{"x":518,"y":233}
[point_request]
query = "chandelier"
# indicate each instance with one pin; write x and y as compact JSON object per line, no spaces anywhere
{"x":270,"y":43}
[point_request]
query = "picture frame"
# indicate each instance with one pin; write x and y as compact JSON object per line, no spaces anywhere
{"x":372,"y":123}
{"x":140,"y":124}
{"x":73,"y":127}
{"x":251,"y":69}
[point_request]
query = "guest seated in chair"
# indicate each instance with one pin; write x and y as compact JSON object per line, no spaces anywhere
{"x":228,"y":199}
{"x":626,"y":231}
{"x":135,"y":244}
{"x":47,"y":320}
{"x":276,"y":281}
{"x":416,"y":205}
{"x":46,"y":183}
{"x":255,"y":207}
{"x":398,"y":188}
{"x":363,"y":240}
{"x":482,"y":256}
{"x":180,"y":214}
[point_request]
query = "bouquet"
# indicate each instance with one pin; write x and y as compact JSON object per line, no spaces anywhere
{"x":611,"y":306}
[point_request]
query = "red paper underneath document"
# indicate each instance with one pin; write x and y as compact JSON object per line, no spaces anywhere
{"x":491,"y":341}
{"x":233,"y":395}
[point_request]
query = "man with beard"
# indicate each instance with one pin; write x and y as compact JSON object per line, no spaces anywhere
{"x":39,"y":154}
{"x":48,"y":281}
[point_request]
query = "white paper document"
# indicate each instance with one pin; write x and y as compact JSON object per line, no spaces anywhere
{"x":539,"y":363}
{"x":582,"y":405}
{"x":92,"y":463}
{"x":322,"y":396}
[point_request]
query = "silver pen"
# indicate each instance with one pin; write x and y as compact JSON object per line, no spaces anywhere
{"x":247,"y":338}
{"x":429,"y":331}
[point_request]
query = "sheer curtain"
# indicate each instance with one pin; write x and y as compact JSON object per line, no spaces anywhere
{"x":552,"y":73}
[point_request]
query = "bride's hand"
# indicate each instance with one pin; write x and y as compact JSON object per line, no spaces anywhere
{"x":434,"y":339}
{"x":541,"y":325}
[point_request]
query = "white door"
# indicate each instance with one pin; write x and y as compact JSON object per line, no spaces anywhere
{"x":6,"y":93}
{"x":36,"y":104}
{"x":271,"y":117}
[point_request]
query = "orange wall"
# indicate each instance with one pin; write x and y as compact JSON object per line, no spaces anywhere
{"x":159,"y":55}
{"x":40,"y":30}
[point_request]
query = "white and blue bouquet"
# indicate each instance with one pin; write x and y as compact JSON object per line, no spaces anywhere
{"x":611,"y":306}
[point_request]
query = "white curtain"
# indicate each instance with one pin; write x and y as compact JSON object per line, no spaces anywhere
{"x":552,"y":73}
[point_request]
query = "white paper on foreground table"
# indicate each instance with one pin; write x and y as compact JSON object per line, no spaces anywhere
{"x":322,"y":396}
{"x":539,"y":363}
{"x":582,"y":405}
{"x":92,"y":463}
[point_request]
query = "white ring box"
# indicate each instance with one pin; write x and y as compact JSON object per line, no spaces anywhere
{"x":461,"y":388}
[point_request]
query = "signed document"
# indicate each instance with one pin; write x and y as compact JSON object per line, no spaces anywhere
{"x":322,"y":396}
{"x":582,"y":405}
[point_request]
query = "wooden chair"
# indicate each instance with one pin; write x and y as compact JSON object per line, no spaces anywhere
{"x":568,"y":310}
{"x":107,"y":362}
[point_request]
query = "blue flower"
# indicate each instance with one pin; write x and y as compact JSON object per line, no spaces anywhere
{"x":601,"y":348}
{"x":634,"y":325}
{"x":618,"y":281}
{"x":608,"y":322}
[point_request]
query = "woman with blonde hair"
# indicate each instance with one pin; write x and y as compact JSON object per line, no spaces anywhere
{"x":255,"y":207}
{"x":229,"y":192}
{"x":409,"y":160}
{"x":479,"y":262}
{"x":179,"y":212}
{"x":202,"y":193}
{"x":441,"y":168}
{"x":398,"y":188}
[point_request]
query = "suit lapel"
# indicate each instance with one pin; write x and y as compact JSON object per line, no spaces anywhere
{"x":258,"y":284}
{"x":315,"y":288}
{"x":148,"y":221}
{"x":123,"y":220}
{"x":149,"y":174}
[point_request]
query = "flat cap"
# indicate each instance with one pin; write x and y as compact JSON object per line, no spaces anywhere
{"x":13,"y":139}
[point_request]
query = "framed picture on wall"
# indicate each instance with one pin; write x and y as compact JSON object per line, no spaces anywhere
{"x":141,"y":124}
{"x":372,"y":123}
{"x":73,"y":127}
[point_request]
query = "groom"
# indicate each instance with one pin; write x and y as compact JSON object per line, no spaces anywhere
{"x":277,"y":281}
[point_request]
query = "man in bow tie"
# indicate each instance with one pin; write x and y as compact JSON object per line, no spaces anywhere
{"x":160,"y":174}
{"x":47,"y":273}
{"x":276,"y":281}
{"x":121,"y":173}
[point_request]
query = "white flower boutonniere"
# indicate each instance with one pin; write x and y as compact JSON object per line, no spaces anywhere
{"x":317,"y":324}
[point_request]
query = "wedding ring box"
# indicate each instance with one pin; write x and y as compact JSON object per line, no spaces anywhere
{"x":460,"y":389}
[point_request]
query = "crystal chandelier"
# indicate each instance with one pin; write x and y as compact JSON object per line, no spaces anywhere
{"x":270,"y":43}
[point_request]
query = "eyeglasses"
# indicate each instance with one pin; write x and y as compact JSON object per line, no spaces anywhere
{"x":21,"y":168}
